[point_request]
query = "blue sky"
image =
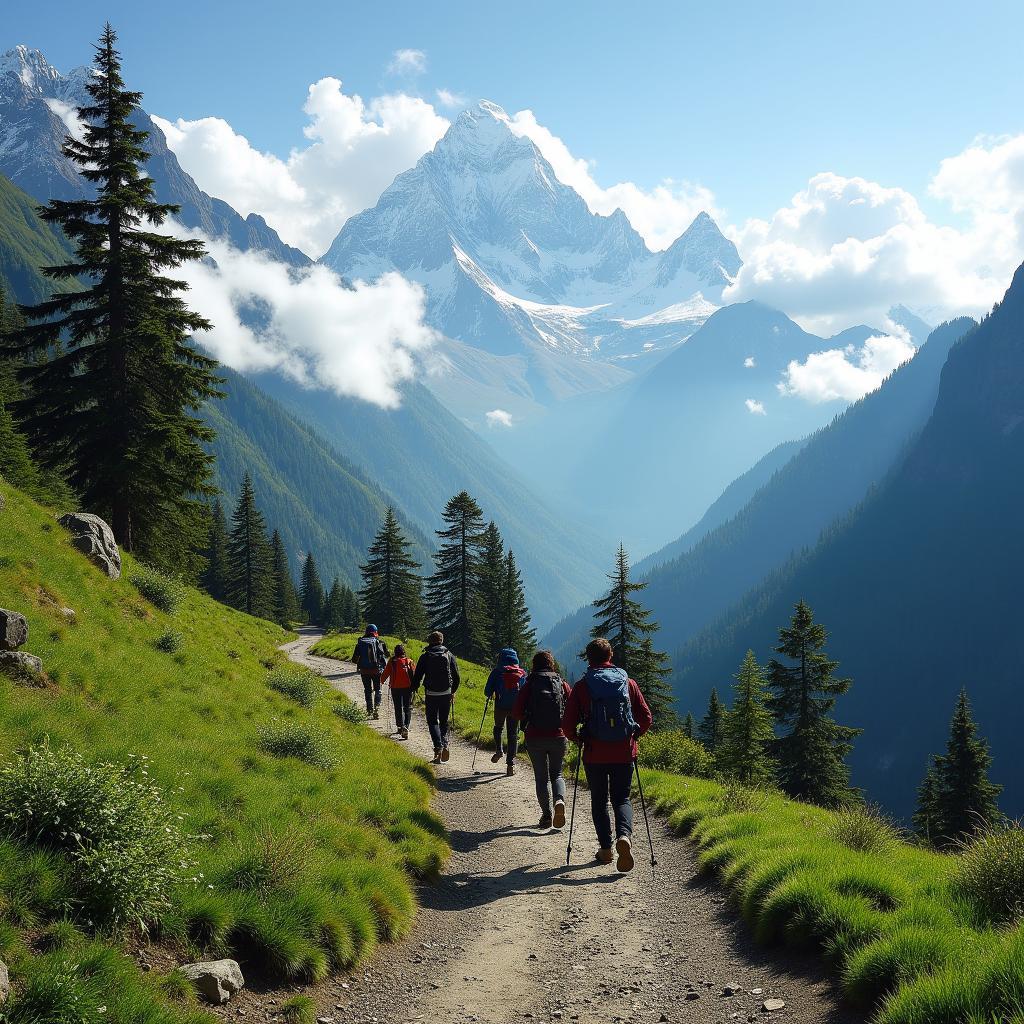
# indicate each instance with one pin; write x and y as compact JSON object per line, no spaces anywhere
{"x":749,"y":99}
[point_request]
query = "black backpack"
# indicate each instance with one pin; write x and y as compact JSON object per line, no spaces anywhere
{"x":370,"y":654}
{"x":546,"y":705}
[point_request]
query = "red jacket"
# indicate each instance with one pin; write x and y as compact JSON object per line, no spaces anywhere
{"x":399,"y":671}
{"x":523,"y":702}
{"x":597,"y":751}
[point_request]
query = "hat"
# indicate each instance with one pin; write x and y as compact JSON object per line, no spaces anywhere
{"x":508,"y":656}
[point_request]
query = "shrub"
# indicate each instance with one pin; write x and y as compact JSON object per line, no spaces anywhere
{"x":299,"y":684}
{"x":674,"y":751}
{"x":295,"y":739}
{"x":737,"y":799}
{"x":989,"y":873}
{"x":57,"y":994}
{"x":110,"y":822}
{"x":863,"y":828}
{"x":158,"y":588}
{"x":269,"y":860}
{"x":169,"y":641}
{"x":299,"y":1010}
{"x":349,"y":711}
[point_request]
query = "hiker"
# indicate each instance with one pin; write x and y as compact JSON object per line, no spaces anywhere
{"x":613,"y":713}
{"x":438,"y":671}
{"x":370,"y":657}
{"x":503,"y":684}
{"x":540,"y":706}
{"x":399,"y":672}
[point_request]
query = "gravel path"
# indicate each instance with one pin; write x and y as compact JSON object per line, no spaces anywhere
{"x":511,"y":934}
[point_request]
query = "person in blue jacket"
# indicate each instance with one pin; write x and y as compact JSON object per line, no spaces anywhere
{"x":503,"y":684}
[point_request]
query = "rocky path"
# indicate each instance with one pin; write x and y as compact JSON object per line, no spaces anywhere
{"x":510,"y":934}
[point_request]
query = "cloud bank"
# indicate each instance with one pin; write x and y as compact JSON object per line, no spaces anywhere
{"x":498,"y":418}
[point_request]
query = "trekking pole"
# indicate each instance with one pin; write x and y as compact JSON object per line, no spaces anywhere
{"x":575,"y":790}
{"x":480,"y":732}
{"x":643,"y":805}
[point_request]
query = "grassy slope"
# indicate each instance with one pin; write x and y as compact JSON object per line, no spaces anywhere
{"x":351,"y":837}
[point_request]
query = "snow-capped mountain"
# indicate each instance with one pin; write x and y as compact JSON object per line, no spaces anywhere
{"x":517,"y":268}
{"x":37,"y":110}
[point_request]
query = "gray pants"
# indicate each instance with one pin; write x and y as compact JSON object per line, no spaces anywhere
{"x":547,"y":757}
{"x":504,"y":723}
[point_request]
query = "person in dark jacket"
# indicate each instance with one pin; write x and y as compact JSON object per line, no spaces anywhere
{"x":540,"y":706}
{"x":503,"y":685}
{"x":438,"y":671}
{"x":370,"y":657}
{"x":613,"y":713}
{"x":399,"y":673}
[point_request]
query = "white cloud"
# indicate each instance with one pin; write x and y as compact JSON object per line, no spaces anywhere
{"x":756,"y":407}
{"x":362,"y":342}
{"x":660,"y":214}
{"x":451,"y":100}
{"x":355,"y":151}
{"x":849,"y":373}
{"x":68,"y":113}
{"x":750,"y":362}
{"x":498,"y":418}
{"x":407,"y":62}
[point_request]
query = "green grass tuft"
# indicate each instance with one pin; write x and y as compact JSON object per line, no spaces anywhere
{"x":300,"y":740}
{"x":158,"y":588}
{"x":298,"y":684}
{"x":990,"y":874}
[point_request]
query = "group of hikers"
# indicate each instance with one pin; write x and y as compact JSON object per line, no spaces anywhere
{"x":604,"y":714}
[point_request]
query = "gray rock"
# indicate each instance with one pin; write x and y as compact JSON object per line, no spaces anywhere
{"x":92,"y":536}
{"x":769,"y":1005}
{"x":216,"y":981}
{"x":21,"y":662}
{"x":13,"y":630}
{"x":69,"y":615}
{"x":5,"y":982}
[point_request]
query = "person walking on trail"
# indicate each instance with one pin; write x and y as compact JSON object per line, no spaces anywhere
{"x":540,"y":706}
{"x":613,"y":714}
{"x":398,"y":674}
{"x":503,"y":684}
{"x":370,"y":657}
{"x":438,"y":672}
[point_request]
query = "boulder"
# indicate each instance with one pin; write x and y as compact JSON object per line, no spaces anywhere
{"x":216,"y":981}
{"x":69,"y":616}
{"x":13,"y":630}
{"x":95,"y":540}
{"x":20,"y":663}
{"x":5,"y":982}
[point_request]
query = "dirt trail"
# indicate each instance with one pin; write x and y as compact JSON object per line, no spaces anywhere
{"x":511,"y":934}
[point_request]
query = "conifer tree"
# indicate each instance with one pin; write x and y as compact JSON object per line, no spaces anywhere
{"x":312,"y":594}
{"x":710,"y":730}
{"x":284,"y":599}
{"x":115,"y":396}
{"x":249,"y":557}
{"x":334,"y":608}
{"x":513,"y":627}
{"x":957,"y":798}
{"x":688,"y":726}
{"x":627,"y":625}
{"x":453,"y":592}
{"x":812,"y":749}
{"x":391,"y":587}
{"x":744,"y":746}
{"x":492,"y":587}
{"x":215,"y":576}
{"x":353,"y":615}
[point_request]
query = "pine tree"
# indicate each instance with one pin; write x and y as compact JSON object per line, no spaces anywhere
{"x":957,"y":798}
{"x":688,"y":726}
{"x":710,"y":730}
{"x":249,"y":557}
{"x":334,"y":608}
{"x":744,"y":745}
{"x":312,"y":593}
{"x":628,"y":627}
{"x":812,"y":750}
{"x":115,"y":396}
{"x":513,"y":628}
{"x":215,"y":576}
{"x":353,"y":615}
{"x":391,"y":587}
{"x":453,"y":592}
{"x":284,"y":603}
{"x":494,"y":626}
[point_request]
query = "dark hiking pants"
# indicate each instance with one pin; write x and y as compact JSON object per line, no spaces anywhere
{"x":610,"y":782}
{"x":403,"y":707}
{"x":547,"y":757}
{"x":438,"y":709}
{"x":505,"y":724}
{"x":371,"y":691}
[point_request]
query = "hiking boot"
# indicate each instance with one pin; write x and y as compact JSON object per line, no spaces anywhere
{"x":510,"y":770}
{"x":445,"y":754}
{"x":545,"y":821}
{"x":437,"y":757}
{"x":559,"y":819}
{"x":496,"y":756}
{"x":603,"y":856}
{"x":404,"y":733}
{"x":624,"y":848}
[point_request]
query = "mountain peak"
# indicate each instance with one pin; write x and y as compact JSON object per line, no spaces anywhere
{"x":30,"y":67}
{"x":498,"y":113}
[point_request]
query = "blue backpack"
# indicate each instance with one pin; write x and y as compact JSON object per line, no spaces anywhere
{"x":370,"y":654}
{"x":611,"y":712}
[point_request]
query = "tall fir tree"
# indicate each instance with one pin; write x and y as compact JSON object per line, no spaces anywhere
{"x":353,"y":614}
{"x":114,"y":399}
{"x":215,"y":575}
{"x":453,"y":591}
{"x":627,"y":625}
{"x":812,"y":749}
{"x":284,"y":604}
{"x":710,"y":730}
{"x":312,"y":595}
{"x":391,"y":592}
{"x":513,"y":627}
{"x":689,"y":727}
{"x":334,"y":608}
{"x":744,"y":748}
{"x":957,"y":798}
{"x":492,"y":586}
{"x":249,"y":583}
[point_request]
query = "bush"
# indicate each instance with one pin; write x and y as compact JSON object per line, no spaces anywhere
{"x":169,"y":641}
{"x":159,"y":589}
{"x":349,"y":711}
{"x":989,"y":873}
{"x":862,"y":828}
{"x":295,"y":739}
{"x":301,"y":685}
{"x":674,"y":751}
{"x":109,"y":821}
{"x":299,"y":1010}
{"x":56,"y":994}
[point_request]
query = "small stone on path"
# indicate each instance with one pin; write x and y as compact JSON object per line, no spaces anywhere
{"x":773,"y":1004}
